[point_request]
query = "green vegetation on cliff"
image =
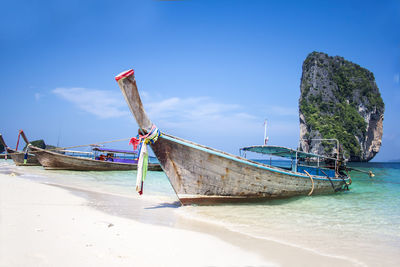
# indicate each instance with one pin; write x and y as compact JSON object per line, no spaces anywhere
{"x":350,"y":77}
{"x":335,"y":97}
{"x":343,"y":125}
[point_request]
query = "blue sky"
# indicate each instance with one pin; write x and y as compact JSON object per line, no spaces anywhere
{"x":208,"y":71}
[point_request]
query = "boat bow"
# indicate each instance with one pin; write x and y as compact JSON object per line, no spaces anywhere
{"x":127,"y":83}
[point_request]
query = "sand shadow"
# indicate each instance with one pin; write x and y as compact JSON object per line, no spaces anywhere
{"x":174,"y":205}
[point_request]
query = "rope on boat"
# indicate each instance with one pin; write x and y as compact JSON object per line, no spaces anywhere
{"x":344,"y":181}
{"x":17,"y":153}
{"x":63,"y":148}
{"x":350,"y":181}
{"x":142,"y":141}
{"x":370,"y":173}
{"x":312,"y":183}
{"x":95,"y":144}
{"x":329,"y":180}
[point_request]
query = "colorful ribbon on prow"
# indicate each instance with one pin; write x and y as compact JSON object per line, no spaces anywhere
{"x":141,"y":142}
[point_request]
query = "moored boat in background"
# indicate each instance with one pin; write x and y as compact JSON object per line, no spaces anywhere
{"x":20,"y":158}
{"x":52,"y":160}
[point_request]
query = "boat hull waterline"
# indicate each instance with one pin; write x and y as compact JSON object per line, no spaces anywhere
{"x":203,"y":175}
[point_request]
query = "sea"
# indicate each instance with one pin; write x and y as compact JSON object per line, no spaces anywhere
{"x":361,"y":225}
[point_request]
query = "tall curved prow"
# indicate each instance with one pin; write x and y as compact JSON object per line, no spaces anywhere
{"x":22,"y":133}
{"x":22,"y":158}
{"x":127,"y":83}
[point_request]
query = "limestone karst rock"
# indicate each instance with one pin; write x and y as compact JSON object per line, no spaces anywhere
{"x":339,"y":99}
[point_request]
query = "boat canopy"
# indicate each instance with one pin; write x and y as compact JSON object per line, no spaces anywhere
{"x":105,"y":150}
{"x":284,"y":152}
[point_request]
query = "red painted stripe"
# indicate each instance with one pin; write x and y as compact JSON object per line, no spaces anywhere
{"x":124,"y":75}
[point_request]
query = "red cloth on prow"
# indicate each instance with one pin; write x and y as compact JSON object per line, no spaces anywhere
{"x":135,"y":142}
{"x":124,"y":74}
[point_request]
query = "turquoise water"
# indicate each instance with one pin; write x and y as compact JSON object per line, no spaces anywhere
{"x":362,"y":225}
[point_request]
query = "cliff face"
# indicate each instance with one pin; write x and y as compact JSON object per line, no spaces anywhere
{"x":340,"y":99}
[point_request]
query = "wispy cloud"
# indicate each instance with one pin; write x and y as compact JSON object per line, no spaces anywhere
{"x":200,"y":118}
{"x":199,"y":115}
{"x":173,"y":111}
{"x":103,"y":104}
{"x":222,"y":125}
{"x":189,"y":109}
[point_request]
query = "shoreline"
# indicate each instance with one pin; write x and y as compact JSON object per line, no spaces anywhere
{"x":267,"y":248}
{"x":161,"y":216}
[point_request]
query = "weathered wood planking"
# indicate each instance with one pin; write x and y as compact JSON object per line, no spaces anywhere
{"x":55,"y":161}
{"x":18,"y":158}
{"x":203,"y":175}
{"x":198,"y":175}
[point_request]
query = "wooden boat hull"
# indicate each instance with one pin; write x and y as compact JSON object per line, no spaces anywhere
{"x":18,"y":158}
{"x":202,"y":175}
{"x":55,"y":161}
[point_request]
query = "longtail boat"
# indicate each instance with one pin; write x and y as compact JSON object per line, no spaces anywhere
{"x":17,"y":156}
{"x":203,"y":175}
{"x":53,"y":160}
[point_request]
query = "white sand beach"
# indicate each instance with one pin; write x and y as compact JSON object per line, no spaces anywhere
{"x":47,"y":225}
{"x":43,"y":225}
